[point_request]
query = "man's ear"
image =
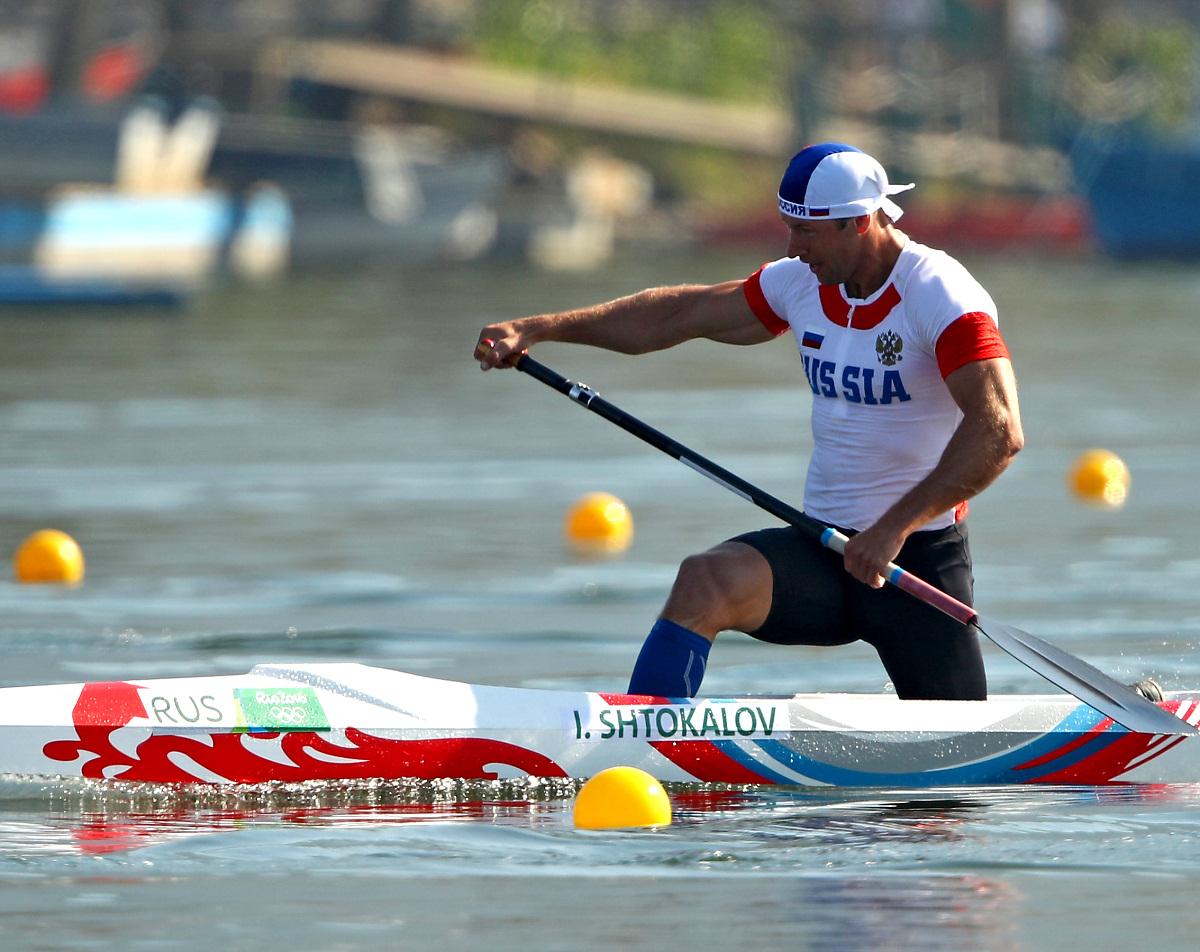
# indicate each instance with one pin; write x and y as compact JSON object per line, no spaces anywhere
{"x":862,"y":223}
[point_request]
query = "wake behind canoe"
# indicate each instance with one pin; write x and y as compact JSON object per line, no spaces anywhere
{"x":351,"y":721}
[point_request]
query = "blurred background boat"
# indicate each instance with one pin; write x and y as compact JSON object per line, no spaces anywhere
{"x":256,"y":197}
{"x":1138,"y":192}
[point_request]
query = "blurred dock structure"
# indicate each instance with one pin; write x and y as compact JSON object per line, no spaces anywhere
{"x":452,"y":80}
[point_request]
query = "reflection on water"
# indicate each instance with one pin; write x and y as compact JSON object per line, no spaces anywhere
{"x":859,"y":869}
{"x":937,"y":912}
{"x":862,"y":869}
{"x":738,"y":819}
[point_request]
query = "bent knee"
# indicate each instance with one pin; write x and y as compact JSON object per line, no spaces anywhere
{"x":729,"y":586}
{"x":715,"y":572}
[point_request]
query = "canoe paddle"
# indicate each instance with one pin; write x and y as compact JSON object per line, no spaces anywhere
{"x":1072,"y":674}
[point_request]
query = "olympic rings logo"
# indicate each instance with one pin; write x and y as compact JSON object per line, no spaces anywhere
{"x":288,"y":715}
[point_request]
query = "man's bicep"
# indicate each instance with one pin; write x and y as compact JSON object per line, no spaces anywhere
{"x":725,"y":316}
{"x":985,"y":387}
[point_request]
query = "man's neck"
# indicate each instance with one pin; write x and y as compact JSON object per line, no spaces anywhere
{"x":885,"y":242}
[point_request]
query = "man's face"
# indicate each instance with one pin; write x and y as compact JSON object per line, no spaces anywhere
{"x":830,"y":248}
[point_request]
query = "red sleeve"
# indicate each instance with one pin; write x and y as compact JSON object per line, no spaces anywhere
{"x":752,"y":288}
{"x":969,"y":338}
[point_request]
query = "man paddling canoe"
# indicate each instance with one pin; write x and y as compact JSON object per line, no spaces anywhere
{"x":914,"y":412}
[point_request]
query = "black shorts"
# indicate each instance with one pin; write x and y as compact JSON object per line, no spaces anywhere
{"x":815,"y":601}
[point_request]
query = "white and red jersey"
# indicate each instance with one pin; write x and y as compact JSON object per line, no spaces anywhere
{"x":882,"y":414}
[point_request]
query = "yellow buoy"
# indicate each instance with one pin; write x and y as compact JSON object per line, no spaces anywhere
{"x":49,"y":556}
{"x":599,"y":524}
{"x":622,"y":798}
{"x":1101,"y":478}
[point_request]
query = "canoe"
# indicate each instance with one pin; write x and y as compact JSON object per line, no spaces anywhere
{"x":300,"y":722}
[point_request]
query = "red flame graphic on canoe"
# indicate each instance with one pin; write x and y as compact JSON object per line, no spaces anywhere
{"x":105,"y":707}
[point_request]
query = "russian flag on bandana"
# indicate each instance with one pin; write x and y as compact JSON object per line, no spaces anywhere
{"x":812,"y":340}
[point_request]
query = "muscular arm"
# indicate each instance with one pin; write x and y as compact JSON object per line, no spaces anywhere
{"x":985,"y":442}
{"x":650,"y":320}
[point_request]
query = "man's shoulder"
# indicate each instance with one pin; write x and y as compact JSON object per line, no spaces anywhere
{"x":787,"y":275}
{"x":930,"y":271}
{"x":790,"y":266}
{"x":933,"y":263}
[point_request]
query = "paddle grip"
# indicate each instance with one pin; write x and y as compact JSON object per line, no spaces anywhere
{"x":918,"y":587}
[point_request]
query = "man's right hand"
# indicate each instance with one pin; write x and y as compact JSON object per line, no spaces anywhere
{"x":500,"y":345}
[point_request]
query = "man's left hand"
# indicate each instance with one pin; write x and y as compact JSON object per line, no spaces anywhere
{"x":869,"y":552}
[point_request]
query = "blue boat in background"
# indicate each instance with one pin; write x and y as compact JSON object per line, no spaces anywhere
{"x":103,"y":246}
{"x":93,"y":245}
{"x":1138,"y":193}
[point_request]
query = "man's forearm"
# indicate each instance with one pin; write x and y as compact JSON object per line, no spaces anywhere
{"x":978,"y":452}
{"x":650,"y":320}
{"x":637,"y":324}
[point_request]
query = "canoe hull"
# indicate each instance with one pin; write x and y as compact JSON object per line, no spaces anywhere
{"x":350,"y":721}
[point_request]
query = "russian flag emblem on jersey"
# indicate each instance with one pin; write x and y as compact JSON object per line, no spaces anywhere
{"x":812,"y":340}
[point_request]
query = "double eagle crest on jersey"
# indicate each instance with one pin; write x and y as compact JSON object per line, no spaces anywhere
{"x":888,"y":346}
{"x":857,"y":384}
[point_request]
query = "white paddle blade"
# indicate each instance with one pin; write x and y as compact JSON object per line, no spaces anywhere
{"x":1091,"y":685}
